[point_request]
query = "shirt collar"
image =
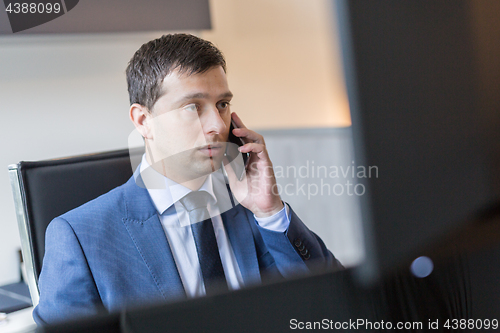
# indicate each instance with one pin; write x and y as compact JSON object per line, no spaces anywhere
{"x":168,"y":192}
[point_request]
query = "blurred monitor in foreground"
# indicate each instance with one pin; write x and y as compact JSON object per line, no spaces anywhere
{"x":423,"y":80}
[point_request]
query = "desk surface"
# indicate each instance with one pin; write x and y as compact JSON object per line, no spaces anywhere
{"x":19,"y":322}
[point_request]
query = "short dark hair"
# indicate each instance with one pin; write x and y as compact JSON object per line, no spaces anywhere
{"x":157,"y":58}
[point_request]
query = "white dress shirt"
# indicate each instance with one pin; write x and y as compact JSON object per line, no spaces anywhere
{"x":165,"y":195}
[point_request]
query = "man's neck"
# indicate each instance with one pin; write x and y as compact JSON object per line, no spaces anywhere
{"x":193,"y":185}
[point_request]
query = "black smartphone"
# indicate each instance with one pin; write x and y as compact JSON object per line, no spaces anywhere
{"x":232,"y":152}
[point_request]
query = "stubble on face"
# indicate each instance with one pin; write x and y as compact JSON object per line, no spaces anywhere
{"x":187,"y":148}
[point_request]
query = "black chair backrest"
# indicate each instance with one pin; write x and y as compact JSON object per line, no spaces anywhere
{"x":53,"y":187}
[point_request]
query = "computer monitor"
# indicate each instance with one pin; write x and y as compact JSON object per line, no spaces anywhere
{"x":423,"y":80}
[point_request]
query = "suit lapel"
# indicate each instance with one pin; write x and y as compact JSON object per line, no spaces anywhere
{"x":240,"y":235}
{"x":144,"y":227}
{"x":238,"y":230}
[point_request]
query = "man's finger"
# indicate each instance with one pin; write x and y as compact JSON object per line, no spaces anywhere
{"x":237,"y":120}
{"x":256,"y":148}
{"x":248,"y":134}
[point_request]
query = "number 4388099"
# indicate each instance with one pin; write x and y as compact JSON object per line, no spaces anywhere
{"x":33,"y":8}
{"x":472,"y":324}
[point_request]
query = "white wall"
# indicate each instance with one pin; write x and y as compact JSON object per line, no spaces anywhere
{"x":283,"y":62}
{"x":66,"y":95}
{"x":305,"y":161}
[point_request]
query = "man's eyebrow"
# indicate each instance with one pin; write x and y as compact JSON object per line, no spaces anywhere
{"x":202,"y":95}
{"x":193,"y":96}
{"x":226,"y":95}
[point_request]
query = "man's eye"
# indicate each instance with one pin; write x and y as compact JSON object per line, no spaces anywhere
{"x":191,"y":108}
{"x":224,"y":105}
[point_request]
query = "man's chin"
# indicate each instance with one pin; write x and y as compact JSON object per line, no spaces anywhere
{"x":211,"y":165}
{"x":189,"y":165}
{"x":198,"y":169}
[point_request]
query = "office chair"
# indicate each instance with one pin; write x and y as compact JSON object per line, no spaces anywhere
{"x":46,"y":189}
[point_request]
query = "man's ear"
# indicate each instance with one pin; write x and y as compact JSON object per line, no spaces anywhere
{"x":141,"y":117}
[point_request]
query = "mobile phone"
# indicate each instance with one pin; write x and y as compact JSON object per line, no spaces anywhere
{"x":232,"y":152}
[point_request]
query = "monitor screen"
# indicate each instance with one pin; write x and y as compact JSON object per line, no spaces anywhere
{"x":423,"y":80}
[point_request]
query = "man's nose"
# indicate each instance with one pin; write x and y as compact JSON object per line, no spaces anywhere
{"x":213,"y":122}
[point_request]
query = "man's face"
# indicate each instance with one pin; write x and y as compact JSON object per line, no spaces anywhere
{"x":190,"y":124}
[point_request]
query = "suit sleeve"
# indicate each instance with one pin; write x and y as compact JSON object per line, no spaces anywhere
{"x":298,"y":250}
{"x":67,"y":288}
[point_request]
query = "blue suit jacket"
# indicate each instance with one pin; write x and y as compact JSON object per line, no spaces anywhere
{"x":112,"y":252}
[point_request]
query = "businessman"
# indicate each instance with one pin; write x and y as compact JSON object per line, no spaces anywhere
{"x":187,"y":224}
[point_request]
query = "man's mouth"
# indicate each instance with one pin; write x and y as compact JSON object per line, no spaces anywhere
{"x":211,"y":149}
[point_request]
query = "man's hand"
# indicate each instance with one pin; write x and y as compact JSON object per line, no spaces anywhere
{"x":257,"y":191}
